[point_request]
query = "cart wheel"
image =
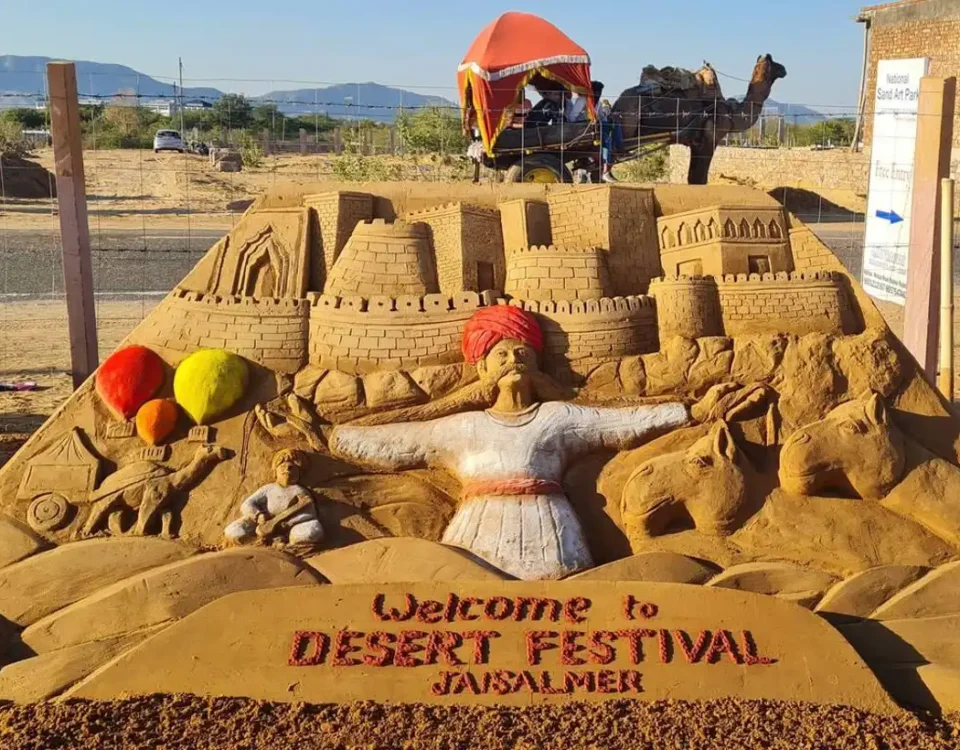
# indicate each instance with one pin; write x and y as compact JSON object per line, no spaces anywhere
{"x":48,"y":512}
{"x":541,"y":168}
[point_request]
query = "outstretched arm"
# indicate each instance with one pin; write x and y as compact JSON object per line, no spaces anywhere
{"x":253,"y":505}
{"x":588,"y":428}
{"x":407,"y":445}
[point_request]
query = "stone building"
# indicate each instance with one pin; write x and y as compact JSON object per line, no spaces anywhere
{"x":908,"y":29}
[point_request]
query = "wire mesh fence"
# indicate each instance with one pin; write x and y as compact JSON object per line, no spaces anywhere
{"x":153,"y":214}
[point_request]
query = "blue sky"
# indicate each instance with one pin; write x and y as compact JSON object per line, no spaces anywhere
{"x":253,"y":46}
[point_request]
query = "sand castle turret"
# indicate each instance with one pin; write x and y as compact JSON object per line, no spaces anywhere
{"x":546,"y":272}
{"x":384,"y":258}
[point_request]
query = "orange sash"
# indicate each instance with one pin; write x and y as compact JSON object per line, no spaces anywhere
{"x":511,"y":488}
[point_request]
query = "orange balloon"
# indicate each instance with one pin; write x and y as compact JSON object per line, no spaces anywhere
{"x":156,"y":420}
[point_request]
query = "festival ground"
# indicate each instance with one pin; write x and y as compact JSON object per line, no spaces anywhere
{"x":205,"y":724}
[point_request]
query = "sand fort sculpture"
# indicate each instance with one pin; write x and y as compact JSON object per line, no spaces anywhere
{"x":372,"y":429}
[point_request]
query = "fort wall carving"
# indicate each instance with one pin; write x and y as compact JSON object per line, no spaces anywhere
{"x":581,"y":334}
{"x":687,"y":306}
{"x":335,"y":214}
{"x":467,"y":244}
{"x":356,"y":335}
{"x":617,"y":219}
{"x":269,"y":331}
{"x":525,"y":223}
{"x":555,"y":273}
{"x":382,"y":258}
{"x":812,"y":302}
{"x":800,"y":303}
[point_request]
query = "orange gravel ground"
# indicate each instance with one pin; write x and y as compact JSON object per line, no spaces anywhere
{"x":167,"y":722}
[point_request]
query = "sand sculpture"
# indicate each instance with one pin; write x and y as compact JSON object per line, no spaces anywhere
{"x":399,"y":401}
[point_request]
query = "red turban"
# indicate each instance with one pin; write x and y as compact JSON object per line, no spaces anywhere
{"x":491,"y":325}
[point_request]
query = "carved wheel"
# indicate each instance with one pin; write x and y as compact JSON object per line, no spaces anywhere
{"x":48,"y":512}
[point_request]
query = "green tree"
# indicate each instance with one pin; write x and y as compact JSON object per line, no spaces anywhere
{"x":12,"y":142}
{"x":28,"y":119}
{"x":432,"y":131}
{"x":232,"y":111}
{"x":836,"y":132}
{"x":268,"y":117}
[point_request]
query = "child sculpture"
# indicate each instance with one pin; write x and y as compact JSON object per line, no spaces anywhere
{"x":279,"y":508}
{"x":510,"y":458}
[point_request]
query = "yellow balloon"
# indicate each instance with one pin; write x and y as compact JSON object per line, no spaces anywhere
{"x":209,"y":382}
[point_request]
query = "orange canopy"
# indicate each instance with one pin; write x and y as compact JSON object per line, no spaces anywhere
{"x":504,"y":58}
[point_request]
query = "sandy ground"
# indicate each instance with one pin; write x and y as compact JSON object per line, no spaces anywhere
{"x":205,"y":724}
{"x":126,"y":186}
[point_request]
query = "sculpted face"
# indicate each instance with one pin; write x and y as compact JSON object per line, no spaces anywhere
{"x":853,"y":449}
{"x":704,"y":487}
{"x":288,"y":473}
{"x":509,"y":364}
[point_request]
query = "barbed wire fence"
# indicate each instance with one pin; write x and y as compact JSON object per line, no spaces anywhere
{"x":153,"y":216}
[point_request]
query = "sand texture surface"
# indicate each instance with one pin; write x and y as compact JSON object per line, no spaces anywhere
{"x":201,"y":724}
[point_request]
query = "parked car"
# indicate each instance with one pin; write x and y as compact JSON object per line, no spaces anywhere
{"x":167,"y":140}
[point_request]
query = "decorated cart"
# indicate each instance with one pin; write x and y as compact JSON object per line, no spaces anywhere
{"x":513,"y":52}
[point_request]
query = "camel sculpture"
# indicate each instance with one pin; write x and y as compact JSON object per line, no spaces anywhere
{"x":698,"y":118}
{"x":149,"y":488}
{"x":858,"y":451}
{"x":705,"y":484}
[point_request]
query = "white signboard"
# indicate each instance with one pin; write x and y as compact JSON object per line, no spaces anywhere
{"x":887,"y":239}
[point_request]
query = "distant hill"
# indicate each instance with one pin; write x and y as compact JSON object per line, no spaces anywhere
{"x":370,"y":101}
{"x":797,"y":114}
{"x":22,"y":83}
{"x":26,"y":76}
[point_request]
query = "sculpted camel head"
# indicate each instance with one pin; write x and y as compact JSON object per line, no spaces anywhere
{"x":705,"y":485}
{"x":854,"y":449}
{"x":767,"y":71}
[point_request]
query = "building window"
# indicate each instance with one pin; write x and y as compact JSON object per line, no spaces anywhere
{"x":690,"y":268}
{"x":485,"y":279}
{"x":758,"y":264}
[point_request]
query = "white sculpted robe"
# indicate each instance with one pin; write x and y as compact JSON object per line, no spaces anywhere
{"x":514,"y":513}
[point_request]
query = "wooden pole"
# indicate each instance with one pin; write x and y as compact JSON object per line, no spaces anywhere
{"x":946,"y":290}
{"x":931,"y":164}
{"x":74,"y":230}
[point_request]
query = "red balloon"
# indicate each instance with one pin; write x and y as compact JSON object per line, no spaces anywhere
{"x":128,"y":379}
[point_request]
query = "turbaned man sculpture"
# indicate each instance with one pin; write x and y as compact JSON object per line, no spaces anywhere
{"x":510,"y":458}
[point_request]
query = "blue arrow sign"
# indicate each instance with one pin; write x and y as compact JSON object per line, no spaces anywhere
{"x":892,"y":216}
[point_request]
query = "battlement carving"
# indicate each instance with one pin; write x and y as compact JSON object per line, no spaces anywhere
{"x":382,"y":227}
{"x":428,"y":303}
{"x":753,"y":278}
{"x":602,"y":306}
{"x":284,"y":305}
{"x":553,"y":273}
{"x":451,"y":207}
{"x":732,"y":304}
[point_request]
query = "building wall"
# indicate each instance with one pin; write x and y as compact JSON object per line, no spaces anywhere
{"x":384,"y":258}
{"x":722,"y":240}
{"x":930,"y":28}
{"x":836,"y":169}
{"x":271,"y":332}
{"x":525,"y":223}
{"x":798,"y":303}
{"x":620,"y":220}
{"x":336,"y":215}
{"x":579,"y":335}
{"x":812,"y":302}
{"x":461,"y":236}
{"x":552,"y":273}
{"x":687,"y":306}
{"x":355,"y":335}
